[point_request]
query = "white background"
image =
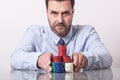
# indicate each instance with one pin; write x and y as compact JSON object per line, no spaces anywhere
{"x":17,"y":15}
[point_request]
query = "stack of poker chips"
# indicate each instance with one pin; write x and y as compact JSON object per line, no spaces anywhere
{"x":61,"y":48}
{"x":57,"y":64}
{"x":62,"y":62}
{"x":68,"y":64}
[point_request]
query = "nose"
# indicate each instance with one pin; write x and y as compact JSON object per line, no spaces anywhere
{"x":60,"y":18}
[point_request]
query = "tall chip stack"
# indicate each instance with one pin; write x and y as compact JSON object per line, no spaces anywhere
{"x":62,"y":62}
{"x":61,"y":48}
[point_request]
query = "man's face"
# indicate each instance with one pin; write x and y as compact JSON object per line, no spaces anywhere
{"x":60,"y":16}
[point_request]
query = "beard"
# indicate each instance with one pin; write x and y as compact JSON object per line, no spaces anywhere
{"x":60,"y":29}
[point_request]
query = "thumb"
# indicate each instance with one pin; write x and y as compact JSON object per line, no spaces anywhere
{"x":49,"y":61}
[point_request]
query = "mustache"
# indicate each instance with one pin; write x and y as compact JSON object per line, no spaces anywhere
{"x":59,"y":24}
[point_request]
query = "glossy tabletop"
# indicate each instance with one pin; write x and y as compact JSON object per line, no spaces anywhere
{"x":102,"y":74}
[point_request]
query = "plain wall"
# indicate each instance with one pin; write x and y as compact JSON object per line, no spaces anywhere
{"x":17,"y":15}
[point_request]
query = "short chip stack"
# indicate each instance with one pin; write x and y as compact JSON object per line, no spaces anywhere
{"x":62,"y":62}
{"x":68,"y":64}
{"x":57,"y":64}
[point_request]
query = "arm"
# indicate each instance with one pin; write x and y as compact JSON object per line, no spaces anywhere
{"x":93,"y":55}
{"x":95,"y":52}
{"x":25,"y":56}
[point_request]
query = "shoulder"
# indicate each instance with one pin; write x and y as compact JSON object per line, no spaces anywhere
{"x":83,"y":28}
{"x":36,"y":29}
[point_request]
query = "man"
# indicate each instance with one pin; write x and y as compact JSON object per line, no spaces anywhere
{"x":39,"y":44}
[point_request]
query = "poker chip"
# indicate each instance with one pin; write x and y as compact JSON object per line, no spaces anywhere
{"x":68,"y":64}
{"x":68,"y":67}
{"x":59,"y":70}
{"x":66,"y":59}
{"x":62,"y":62}
{"x":57,"y":59}
{"x":59,"y":64}
{"x":61,"y":53}
{"x":57,"y":67}
{"x":62,"y":47}
{"x":61,"y":50}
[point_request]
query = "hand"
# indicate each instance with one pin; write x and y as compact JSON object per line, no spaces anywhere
{"x":44,"y":61}
{"x":79,"y":61}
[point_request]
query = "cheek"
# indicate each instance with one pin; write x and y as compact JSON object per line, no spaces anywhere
{"x":51,"y":20}
{"x":68,"y":21}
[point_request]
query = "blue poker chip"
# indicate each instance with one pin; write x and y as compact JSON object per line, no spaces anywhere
{"x":59,"y":64}
{"x":58,"y":67}
{"x":59,"y":70}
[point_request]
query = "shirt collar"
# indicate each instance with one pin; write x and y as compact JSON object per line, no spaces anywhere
{"x":56,"y":38}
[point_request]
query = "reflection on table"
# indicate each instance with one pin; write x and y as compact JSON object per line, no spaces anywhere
{"x":104,"y":74}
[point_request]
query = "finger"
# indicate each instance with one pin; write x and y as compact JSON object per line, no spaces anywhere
{"x":79,"y":62}
{"x":44,"y":61}
{"x":75,"y":59}
{"x":81,"y":58}
{"x":48,"y":61}
{"x":46,"y":67}
{"x":82,"y":62}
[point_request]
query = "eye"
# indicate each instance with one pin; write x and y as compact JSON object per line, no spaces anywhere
{"x":54,"y":13}
{"x":66,"y":13}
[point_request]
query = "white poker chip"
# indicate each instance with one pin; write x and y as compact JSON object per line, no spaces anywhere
{"x":69,"y":67}
{"x":68,"y":64}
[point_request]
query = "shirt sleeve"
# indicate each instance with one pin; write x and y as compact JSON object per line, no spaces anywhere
{"x":95,"y":51}
{"x":25,"y":56}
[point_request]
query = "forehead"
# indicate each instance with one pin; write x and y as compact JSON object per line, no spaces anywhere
{"x":59,"y":5}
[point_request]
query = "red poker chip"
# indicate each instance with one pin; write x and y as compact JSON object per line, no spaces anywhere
{"x":61,"y":53}
{"x":66,"y":59}
{"x":61,"y":47}
{"x":57,"y":59}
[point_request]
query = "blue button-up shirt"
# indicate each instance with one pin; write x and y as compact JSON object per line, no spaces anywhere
{"x":81,"y":38}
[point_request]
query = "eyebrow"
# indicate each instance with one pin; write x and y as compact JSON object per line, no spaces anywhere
{"x":62,"y":12}
{"x":54,"y":11}
{"x":66,"y":11}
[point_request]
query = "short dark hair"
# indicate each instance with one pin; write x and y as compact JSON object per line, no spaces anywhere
{"x":72,"y":2}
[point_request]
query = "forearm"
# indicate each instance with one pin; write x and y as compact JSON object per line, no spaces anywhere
{"x":24,"y":60}
{"x":97,"y":54}
{"x":98,"y":60}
